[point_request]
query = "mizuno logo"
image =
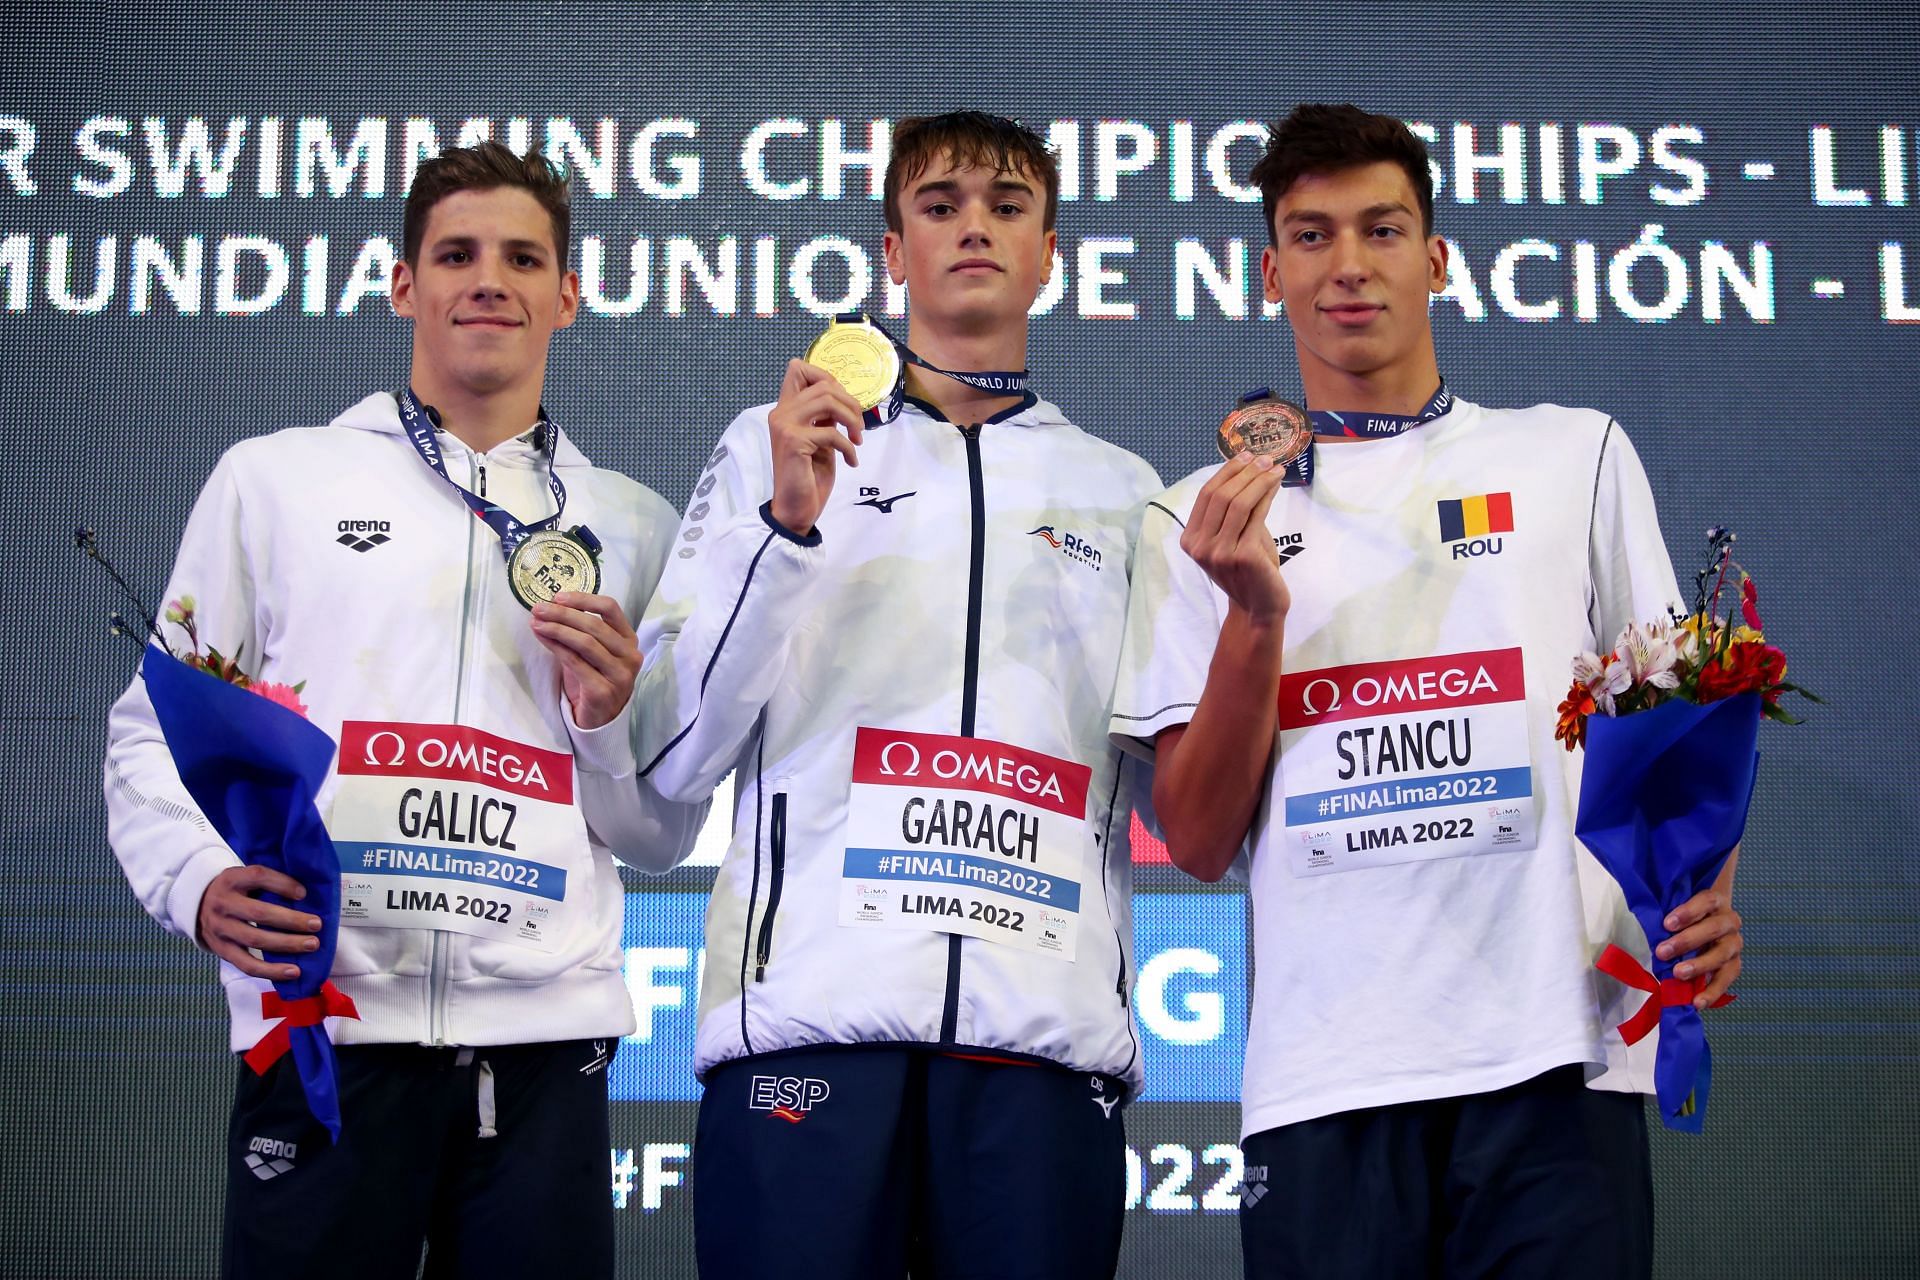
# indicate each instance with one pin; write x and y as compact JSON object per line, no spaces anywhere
{"x":884,"y":505}
{"x":1107,"y":1105}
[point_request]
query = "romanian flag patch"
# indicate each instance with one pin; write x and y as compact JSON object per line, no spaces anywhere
{"x":1476,"y":517}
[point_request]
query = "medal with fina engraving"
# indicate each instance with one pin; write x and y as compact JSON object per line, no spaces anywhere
{"x":1266,"y":426}
{"x":863,"y":359}
{"x":549,"y":561}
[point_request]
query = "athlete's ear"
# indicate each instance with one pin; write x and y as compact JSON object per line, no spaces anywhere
{"x":1053,"y":246}
{"x":400,"y":289}
{"x":1436,"y":264}
{"x":1270,"y":274}
{"x":894,"y":252}
{"x":569,"y":300}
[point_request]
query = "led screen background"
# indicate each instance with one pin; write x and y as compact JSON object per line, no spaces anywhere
{"x":1759,"y":347}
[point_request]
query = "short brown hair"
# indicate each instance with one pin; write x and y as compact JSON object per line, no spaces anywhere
{"x":967,"y":140}
{"x":1322,"y":138}
{"x":485,"y":166}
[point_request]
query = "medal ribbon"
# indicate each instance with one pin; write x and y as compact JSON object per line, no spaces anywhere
{"x":1355,"y":426}
{"x":420,"y":421}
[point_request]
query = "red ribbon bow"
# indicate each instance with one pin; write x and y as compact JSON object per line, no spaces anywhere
{"x":307,"y":1011}
{"x":1667,"y":993}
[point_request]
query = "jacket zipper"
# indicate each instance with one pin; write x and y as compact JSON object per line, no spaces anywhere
{"x":776,"y":872}
{"x":969,"y":682}
{"x":437,"y":958}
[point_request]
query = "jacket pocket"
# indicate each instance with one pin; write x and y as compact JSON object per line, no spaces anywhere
{"x":776,"y":875}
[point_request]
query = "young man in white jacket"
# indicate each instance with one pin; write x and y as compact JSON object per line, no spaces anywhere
{"x":1434,"y":1083}
{"x":900,"y":631}
{"x":370,"y":558}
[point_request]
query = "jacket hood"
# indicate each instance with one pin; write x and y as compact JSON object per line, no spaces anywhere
{"x":380,"y":413}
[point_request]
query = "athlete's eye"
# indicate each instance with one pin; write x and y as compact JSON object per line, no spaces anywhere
{"x":456,"y":257}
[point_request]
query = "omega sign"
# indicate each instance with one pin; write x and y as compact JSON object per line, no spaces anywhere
{"x":902,"y":759}
{"x":1387,"y":688}
{"x":456,"y":752}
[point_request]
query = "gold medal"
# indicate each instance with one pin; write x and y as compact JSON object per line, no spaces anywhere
{"x":861,"y":357}
{"x":549,"y":562}
{"x":1267,"y":427}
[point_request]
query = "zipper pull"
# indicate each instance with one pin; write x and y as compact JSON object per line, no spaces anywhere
{"x":482,"y":464}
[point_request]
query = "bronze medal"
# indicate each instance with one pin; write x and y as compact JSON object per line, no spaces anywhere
{"x":1268,"y":427}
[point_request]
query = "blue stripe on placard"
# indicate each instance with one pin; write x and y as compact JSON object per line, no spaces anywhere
{"x":1475,"y":786}
{"x":964,"y":869}
{"x":363,"y":857}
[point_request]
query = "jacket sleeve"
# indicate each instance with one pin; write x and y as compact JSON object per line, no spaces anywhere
{"x":715,"y":638}
{"x":168,"y":849}
{"x":1630,"y":575}
{"x":624,"y":811}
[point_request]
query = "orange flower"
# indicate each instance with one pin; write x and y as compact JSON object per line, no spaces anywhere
{"x":1572,"y":727}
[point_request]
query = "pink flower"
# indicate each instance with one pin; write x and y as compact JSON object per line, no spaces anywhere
{"x":1750,"y":603}
{"x":285,"y":695}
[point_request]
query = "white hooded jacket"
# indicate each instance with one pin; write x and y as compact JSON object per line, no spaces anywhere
{"x":336,"y":556}
{"x":963,"y":584}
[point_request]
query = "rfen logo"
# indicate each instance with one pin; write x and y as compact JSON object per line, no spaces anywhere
{"x":391,"y":749}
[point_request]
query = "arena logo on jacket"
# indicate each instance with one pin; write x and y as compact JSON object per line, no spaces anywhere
{"x":444,"y":826}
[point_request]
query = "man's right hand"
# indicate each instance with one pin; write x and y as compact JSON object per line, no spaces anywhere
{"x":232,"y":919}
{"x":806,"y":432}
{"x":1227,"y":536}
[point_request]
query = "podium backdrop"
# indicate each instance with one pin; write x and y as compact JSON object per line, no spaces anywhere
{"x":1705,"y":220}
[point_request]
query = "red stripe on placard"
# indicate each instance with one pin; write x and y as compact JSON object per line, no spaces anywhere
{"x":897,"y":758}
{"x":391,"y":749}
{"x":1389,"y":688}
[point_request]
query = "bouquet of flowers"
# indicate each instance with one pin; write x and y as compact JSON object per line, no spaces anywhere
{"x":1669,"y":720}
{"x":252,"y":761}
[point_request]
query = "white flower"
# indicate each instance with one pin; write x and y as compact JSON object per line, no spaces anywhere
{"x":1605,"y":678}
{"x":1649,"y":652}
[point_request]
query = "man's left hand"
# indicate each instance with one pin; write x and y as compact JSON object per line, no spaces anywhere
{"x":1708,"y":925}
{"x":598,"y":653}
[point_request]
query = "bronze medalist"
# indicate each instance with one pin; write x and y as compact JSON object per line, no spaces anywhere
{"x":549,"y":562}
{"x":861,"y":357}
{"x":1268,"y":427}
